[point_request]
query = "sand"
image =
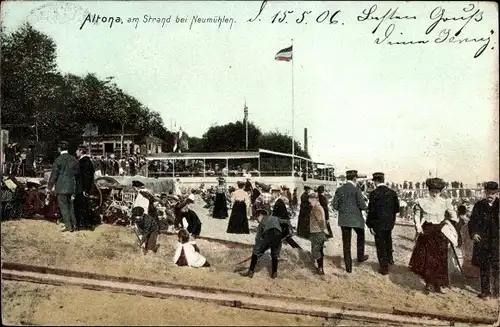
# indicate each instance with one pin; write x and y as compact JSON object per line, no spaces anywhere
{"x":34,"y":304}
{"x":113,"y":250}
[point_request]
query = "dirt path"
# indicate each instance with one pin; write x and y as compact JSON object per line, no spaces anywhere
{"x":49,"y":305}
{"x":112,"y":250}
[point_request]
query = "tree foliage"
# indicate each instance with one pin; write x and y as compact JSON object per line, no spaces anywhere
{"x":62,"y":105}
{"x":231,"y":137}
{"x":35,"y":93}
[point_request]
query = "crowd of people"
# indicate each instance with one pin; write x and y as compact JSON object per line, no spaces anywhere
{"x":22,"y":161}
{"x":440,"y":223}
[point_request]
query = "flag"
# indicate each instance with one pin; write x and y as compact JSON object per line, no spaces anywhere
{"x":284,"y":55}
{"x":177,"y":140}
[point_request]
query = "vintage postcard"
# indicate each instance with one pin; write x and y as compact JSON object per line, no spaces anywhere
{"x":189,"y":157}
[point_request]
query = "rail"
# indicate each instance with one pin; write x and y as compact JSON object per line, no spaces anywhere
{"x":232,"y":298}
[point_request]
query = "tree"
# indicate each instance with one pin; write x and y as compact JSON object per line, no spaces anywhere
{"x":417,"y":185}
{"x":195,"y":144}
{"x":410,"y":185}
{"x":278,"y":142}
{"x":231,"y":137}
{"x":35,"y":94}
{"x":405,"y":185}
{"x":29,"y":76}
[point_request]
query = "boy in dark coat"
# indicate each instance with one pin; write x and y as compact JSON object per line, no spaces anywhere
{"x":483,"y":228}
{"x":148,"y":228}
{"x":269,"y":233}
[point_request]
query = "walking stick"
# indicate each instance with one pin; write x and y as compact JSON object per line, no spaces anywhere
{"x":456,"y":258}
{"x":287,"y":238}
{"x":134,"y":228}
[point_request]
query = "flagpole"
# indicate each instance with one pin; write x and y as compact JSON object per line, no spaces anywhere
{"x":293,"y":117}
{"x":246,"y":124}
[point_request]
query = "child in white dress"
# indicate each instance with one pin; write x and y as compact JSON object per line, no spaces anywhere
{"x":188,"y":253}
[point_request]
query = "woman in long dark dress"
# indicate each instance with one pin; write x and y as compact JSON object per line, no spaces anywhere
{"x":220,"y":204}
{"x":303,"y":222}
{"x":429,"y":259}
{"x":255,"y":194}
{"x":238,"y":222}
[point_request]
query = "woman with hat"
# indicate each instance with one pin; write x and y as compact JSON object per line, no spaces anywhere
{"x":33,"y":199}
{"x":429,"y":259}
{"x":238,"y":222}
{"x":303,"y":222}
{"x":484,"y":231}
{"x":220,"y":204}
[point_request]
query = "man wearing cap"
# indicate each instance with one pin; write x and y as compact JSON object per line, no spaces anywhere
{"x":382,"y":209}
{"x":62,"y":180}
{"x":84,"y":182}
{"x":429,"y":259}
{"x":269,"y":234}
{"x":317,"y":231}
{"x":148,"y":229}
{"x":350,"y":203}
{"x":484,"y":230}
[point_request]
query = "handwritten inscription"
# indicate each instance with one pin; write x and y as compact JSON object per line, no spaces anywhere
{"x":385,"y":21}
{"x":438,"y":17}
{"x":368,"y":14}
{"x":111,"y":21}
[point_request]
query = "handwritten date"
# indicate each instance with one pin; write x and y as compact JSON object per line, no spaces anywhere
{"x":285,"y":16}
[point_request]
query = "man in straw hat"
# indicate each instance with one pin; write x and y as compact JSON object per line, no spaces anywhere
{"x":429,"y":259}
{"x":484,"y":230}
{"x":269,"y":235}
{"x":382,"y":209}
{"x":63,"y":182}
{"x":350,"y":203}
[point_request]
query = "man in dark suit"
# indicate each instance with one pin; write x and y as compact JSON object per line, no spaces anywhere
{"x":484,"y":231}
{"x":382,"y":209}
{"x":350,"y":203}
{"x":84,"y":182}
{"x":62,"y":180}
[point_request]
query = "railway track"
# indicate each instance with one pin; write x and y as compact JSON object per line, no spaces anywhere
{"x":244,"y":300}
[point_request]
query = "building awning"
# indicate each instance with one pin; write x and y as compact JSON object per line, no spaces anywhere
{"x":203,"y":156}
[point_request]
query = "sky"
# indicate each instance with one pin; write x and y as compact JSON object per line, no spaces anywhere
{"x":406,"y":110}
